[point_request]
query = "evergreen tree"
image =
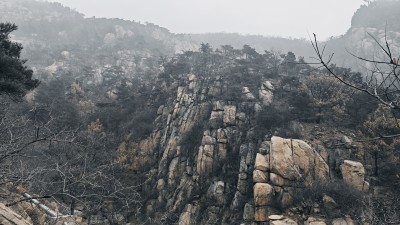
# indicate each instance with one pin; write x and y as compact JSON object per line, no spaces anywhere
{"x":15,"y":77}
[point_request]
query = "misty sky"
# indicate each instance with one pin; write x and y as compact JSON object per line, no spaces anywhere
{"x":286,"y":18}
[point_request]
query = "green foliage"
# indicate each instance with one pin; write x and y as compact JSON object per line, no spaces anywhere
{"x":15,"y":78}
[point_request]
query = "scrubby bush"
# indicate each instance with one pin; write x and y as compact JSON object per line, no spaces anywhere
{"x":349,"y":200}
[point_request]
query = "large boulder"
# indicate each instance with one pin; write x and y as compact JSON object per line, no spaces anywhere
{"x":353,"y":173}
{"x":295,"y":160}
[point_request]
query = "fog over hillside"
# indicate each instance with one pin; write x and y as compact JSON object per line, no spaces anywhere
{"x":199,"y":112}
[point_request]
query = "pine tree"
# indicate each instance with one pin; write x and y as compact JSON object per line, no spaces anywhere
{"x":15,"y":77}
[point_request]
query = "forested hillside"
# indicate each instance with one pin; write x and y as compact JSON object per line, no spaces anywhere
{"x":131,"y":124}
{"x":260,"y":43}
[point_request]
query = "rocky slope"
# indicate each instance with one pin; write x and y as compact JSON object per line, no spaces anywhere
{"x":370,"y":24}
{"x":205,"y":161}
{"x":207,"y":165}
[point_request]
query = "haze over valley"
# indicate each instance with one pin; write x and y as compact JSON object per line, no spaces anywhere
{"x":199,"y":112}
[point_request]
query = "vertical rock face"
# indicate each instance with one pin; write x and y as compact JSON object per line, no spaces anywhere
{"x":353,"y":173}
{"x":207,"y":166}
{"x":289,"y":163}
{"x":203,"y":153}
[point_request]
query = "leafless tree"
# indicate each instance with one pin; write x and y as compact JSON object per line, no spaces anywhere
{"x":382,"y":81}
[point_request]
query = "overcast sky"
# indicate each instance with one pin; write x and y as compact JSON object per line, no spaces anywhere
{"x":286,"y":18}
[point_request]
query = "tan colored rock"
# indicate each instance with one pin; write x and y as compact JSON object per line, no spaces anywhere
{"x":276,"y":179}
{"x":229,"y":115}
{"x":314,"y":221}
{"x":188,"y":216}
{"x":353,"y":173}
{"x":260,"y":176}
{"x":205,"y":159}
{"x":208,"y":140}
{"x":263,"y":194}
{"x":173,"y":170}
{"x":266,"y":97}
{"x":276,"y":217}
{"x":9,"y":217}
{"x":286,"y":221}
{"x":160,"y":184}
{"x":281,"y":160}
{"x":343,"y":221}
{"x":261,"y":214}
{"x":295,"y":160}
{"x":262,"y":163}
{"x":179,"y":93}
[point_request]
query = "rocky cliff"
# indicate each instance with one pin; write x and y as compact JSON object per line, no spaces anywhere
{"x":206,"y":165}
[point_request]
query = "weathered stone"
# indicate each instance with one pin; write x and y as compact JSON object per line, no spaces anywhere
{"x":276,"y":179}
{"x":263,"y":194}
{"x":266,"y":97}
{"x":216,"y":192}
{"x":247,"y":94}
{"x":281,"y":160}
{"x":160,"y":184}
{"x":179,"y":93}
{"x":205,"y":159}
{"x":276,"y":217}
{"x":229,"y":115}
{"x":237,"y":200}
{"x":257,"y":107}
{"x":267,"y":85}
{"x":347,"y":141}
{"x":192,"y":77}
{"x":286,"y":221}
{"x":262,"y":213}
{"x":314,"y":221}
{"x":262,"y":163}
{"x":218,"y":106}
{"x":9,"y":217}
{"x":342,"y":221}
{"x":188,"y":217}
{"x":296,"y":160}
{"x":248,"y":213}
{"x":353,"y":173}
{"x":260,"y":176}
{"x":208,"y":140}
{"x":172,"y":171}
